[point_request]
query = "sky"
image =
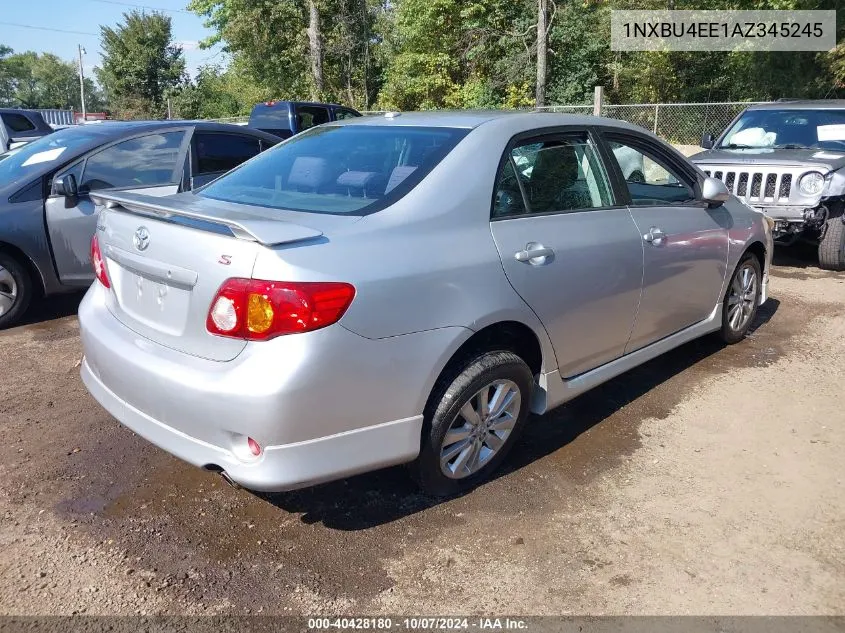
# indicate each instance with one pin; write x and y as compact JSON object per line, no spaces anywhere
{"x":84,"y":17}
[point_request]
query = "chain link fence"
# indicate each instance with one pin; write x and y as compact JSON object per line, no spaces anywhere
{"x":681,"y":124}
{"x":678,"y":123}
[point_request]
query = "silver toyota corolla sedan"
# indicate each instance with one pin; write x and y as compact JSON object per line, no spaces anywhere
{"x":407,"y":288}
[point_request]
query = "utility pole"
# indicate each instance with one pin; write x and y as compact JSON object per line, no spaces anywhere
{"x":82,"y":82}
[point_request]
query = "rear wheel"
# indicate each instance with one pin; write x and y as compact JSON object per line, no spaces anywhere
{"x":741,"y":300}
{"x":472,"y":421}
{"x":832,"y":245}
{"x":15,"y":290}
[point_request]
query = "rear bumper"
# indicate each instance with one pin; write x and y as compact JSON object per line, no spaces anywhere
{"x":323,"y":405}
{"x":283,"y":467}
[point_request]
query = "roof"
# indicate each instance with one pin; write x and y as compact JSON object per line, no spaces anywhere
{"x":805,"y":104}
{"x":506,"y":121}
{"x":432,"y":118}
{"x":115,"y":129}
{"x":17,"y":110}
{"x":271,"y":103}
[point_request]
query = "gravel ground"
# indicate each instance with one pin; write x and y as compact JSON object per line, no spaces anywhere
{"x":709,"y":481}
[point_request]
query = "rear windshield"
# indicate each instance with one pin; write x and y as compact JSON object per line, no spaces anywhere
{"x":273,"y":119}
{"x":355,"y":170}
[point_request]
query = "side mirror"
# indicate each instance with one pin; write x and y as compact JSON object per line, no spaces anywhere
{"x":714,"y":192}
{"x":707,"y":141}
{"x":66,"y":186}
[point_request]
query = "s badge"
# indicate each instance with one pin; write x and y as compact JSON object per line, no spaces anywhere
{"x":225,"y":260}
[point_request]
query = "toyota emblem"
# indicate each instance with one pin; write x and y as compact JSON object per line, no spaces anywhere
{"x":141,"y":239}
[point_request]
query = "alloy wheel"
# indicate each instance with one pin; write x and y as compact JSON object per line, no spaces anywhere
{"x":742,"y":297}
{"x":480,"y":429}
{"x":8,"y":291}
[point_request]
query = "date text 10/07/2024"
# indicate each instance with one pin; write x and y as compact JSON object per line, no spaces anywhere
{"x":418,"y":623}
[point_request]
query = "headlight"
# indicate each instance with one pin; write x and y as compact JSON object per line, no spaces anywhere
{"x":811,"y":183}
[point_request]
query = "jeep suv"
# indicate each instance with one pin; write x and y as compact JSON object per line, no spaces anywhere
{"x":787,"y":159}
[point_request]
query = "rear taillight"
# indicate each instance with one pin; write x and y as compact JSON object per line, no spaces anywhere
{"x":258,"y":310}
{"x":99,"y":263}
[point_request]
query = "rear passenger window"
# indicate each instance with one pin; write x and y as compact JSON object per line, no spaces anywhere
{"x":17,"y":122}
{"x":508,"y":199}
{"x":649,"y":178}
{"x":222,"y":152}
{"x":558,"y":174}
{"x":146,"y":161}
{"x":308,"y":116}
{"x":343,"y":113}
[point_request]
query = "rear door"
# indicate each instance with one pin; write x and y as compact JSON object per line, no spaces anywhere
{"x":571,"y":252}
{"x":215,"y":153}
{"x":685,"y":241}
{"x":151,"y":163}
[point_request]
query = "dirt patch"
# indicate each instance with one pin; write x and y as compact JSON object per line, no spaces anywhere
{"x":706,"y":481}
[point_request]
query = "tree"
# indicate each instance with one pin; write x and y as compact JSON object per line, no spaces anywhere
{"x":447,"y":53}
{"x":141,"y":64}
{"x":296,"y":49}
{"x":579,"y":57}
{"x":411,"y":54}
{"x":216,"y":94}
{"x":32,"y":80}
{"x":542,"y":50}
{"x":268,"y":38}
{"x":7,"y":76}
{"x":315,"y":50}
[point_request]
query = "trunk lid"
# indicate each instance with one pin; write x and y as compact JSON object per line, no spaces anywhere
{"x":167,"y":257}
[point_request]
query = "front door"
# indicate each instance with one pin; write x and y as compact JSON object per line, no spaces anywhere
{"x":151,"y":164}
{"x":685,"y":241}
{"x":570,"y":252}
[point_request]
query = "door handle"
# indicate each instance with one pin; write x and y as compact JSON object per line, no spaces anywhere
{"x":655,"y":236}
{"x":535,"y":254}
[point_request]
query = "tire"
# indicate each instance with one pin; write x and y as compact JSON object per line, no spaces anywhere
{"x":497,"y":373}
{"x":636,"y":176}
{"x":15,"y":290}
{"x":743,"y":290}
{"x":832,"y":246}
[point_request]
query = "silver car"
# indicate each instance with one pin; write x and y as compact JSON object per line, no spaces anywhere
{"x":396,"y":289}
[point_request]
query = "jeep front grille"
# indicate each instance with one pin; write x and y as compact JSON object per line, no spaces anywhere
{"x":785,"y":186}
{"x":763,"y":186}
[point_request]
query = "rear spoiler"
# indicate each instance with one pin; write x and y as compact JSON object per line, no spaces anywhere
{"x":241,"y":225}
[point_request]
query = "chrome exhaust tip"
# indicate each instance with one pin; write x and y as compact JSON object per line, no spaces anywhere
{"x":228,"y":479}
